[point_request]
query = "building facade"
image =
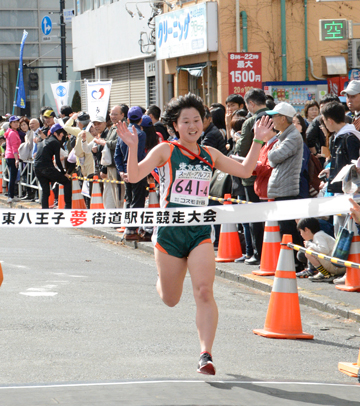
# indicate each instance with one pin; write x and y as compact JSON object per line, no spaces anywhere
{"x":42,"y":53}
{"x":114,"y":40}
{"x":285,"y":32}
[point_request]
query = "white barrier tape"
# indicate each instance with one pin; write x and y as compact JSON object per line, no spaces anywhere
{"x":180,"y":216}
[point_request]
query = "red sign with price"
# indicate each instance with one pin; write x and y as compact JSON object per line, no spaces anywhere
{"x":244,"y":71}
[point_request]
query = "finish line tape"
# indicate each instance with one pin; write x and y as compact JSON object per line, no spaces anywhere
{"x":179,"y":216}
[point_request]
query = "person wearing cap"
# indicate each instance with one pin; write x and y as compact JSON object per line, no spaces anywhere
{"x":286,"y":160}
{"x":111,"y":195}
{"x":101,"y":130}
{"x":86,"y":160}
{"x":352,"y":93}
{"x":45,"y":170}
{"x":48,"y":116}
{"x":135,"y":193}
{"x":12,"y":154}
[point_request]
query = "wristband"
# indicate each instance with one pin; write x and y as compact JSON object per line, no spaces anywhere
{"x":258,"y":141}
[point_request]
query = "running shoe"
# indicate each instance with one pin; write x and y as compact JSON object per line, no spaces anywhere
{"x":206,"y":365}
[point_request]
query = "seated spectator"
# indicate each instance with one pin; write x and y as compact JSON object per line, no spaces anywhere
{"x":316,"y":240}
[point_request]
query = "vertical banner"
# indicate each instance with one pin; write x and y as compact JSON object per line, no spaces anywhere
{"x":61,"y":94}
{"x":21,"y":94}
{"x":244,"y":72}
{"x":98,"y":96}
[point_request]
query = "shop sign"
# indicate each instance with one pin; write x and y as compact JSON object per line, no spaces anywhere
{"x":188,"y":31}
{"x":244,"y":72}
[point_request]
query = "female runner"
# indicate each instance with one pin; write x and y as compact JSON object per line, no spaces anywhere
{"x":184,"y":181}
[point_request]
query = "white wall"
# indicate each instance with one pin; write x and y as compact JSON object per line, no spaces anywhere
{"x":108,"y":34}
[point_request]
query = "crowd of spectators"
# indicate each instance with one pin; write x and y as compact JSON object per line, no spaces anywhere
{"x":304,"y":148}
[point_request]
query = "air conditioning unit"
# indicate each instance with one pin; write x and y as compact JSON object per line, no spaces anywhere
{"x":354,"y":53}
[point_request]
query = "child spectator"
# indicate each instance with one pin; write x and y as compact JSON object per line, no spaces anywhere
{"x":319,"y":269}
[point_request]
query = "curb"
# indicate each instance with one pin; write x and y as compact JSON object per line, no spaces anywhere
{"x":306,"y":297}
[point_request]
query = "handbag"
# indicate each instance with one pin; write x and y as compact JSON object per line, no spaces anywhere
{"x":221,"y":184}
{"x":343,"y":240}
{"x":24,"y":151}
{"x":106,"y":158}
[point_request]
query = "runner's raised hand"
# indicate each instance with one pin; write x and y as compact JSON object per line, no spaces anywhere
{"x":130,"y":138}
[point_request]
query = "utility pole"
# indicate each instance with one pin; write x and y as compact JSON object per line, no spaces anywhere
{"x":63,"y":41}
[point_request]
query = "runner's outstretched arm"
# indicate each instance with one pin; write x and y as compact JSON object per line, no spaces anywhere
{"x":263,"y":132}
{"x":156,"y":157}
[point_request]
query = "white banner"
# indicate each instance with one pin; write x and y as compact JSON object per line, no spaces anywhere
{"x":61,"y":94}
{"x":179,"y":216}
{"x":98,"y":96}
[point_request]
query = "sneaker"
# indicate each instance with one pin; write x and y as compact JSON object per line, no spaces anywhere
{"x":306,"y":273}
{"x":206,"y":365}
{"x":242,"y":259}
{"x":252,"y":261}
{"x":340,"y":281}
{"x":9,"y":200}
{"x":321,"y":278}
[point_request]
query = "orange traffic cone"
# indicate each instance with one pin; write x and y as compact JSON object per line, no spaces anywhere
{"x":1,"y":275}
{"x":283,"y":319}
{"x":270,"y":249}
{"x":153,"y":198}
{"x":77,"y":201}
{"x":229,"y":241}
{"x":351,"y":369}
{"x":352,"y":281}
{"x":1,"y":176}
{"x":51,"y":199}
{"x":61,"y":198}
{"x":96,"y":196}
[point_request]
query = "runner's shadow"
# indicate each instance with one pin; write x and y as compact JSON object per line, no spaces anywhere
{"x":290,"y":395}
{"x":332,"y":344}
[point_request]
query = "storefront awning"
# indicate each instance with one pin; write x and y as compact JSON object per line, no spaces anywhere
{"x":194,"y":69}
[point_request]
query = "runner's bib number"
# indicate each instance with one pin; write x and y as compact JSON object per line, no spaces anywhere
{"x":191,"y":188}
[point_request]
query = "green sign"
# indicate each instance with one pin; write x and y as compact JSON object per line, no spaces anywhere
{"x":332,"y":30}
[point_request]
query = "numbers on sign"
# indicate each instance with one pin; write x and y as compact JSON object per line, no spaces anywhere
{"x":244,"y":76}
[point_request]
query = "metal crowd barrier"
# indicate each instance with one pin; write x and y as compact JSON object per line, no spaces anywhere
{"x":27,"y":176}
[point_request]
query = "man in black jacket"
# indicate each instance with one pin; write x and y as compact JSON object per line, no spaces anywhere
{"x":212,"y":137}
{"x":344,"y":143}
{"x":154,"y":113}
{"x":45,"y":170}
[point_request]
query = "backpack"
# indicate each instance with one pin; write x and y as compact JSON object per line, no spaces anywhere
{"x":314,"y":168}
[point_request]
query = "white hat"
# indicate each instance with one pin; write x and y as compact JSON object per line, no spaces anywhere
{"x":99,"y":119}
{"x":285,"y":109}
{"x":352,"y":88}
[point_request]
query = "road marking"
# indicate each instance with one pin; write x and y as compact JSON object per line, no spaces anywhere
{"x":38,"y":293}
{"x":180,"y":381}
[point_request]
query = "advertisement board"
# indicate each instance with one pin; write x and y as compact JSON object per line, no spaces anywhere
{"x":188,"y":31}
{"x":244,"y":70}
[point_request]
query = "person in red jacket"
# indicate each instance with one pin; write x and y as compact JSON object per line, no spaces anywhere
{"x":12,"y":154}
{"x":263,"y":170}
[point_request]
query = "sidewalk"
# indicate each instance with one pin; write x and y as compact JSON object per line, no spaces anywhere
{"x":322,"y":296}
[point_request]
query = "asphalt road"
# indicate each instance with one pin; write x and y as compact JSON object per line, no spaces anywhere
{"x":82,"y":314}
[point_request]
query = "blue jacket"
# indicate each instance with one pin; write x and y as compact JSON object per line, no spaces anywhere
{"x":122,"y":150}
